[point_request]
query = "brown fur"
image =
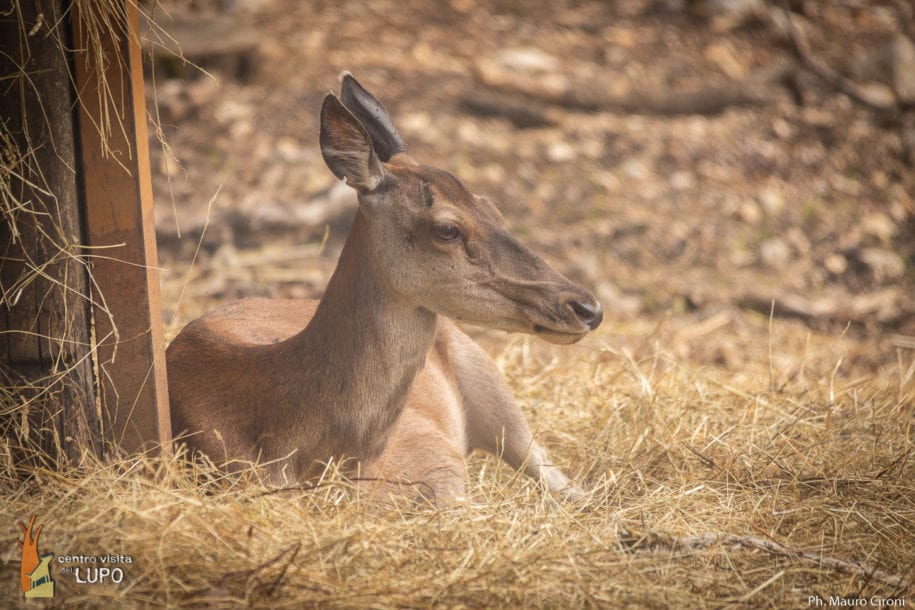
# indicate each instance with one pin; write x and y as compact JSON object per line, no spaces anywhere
{"x":371,"y":373}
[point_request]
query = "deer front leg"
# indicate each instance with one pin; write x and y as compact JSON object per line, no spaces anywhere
{"x":494,"y":421}
{"x":424,"y":455}
{"x":419,"y":464}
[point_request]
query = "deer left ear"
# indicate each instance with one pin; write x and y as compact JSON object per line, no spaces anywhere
{"x":347,"y":147}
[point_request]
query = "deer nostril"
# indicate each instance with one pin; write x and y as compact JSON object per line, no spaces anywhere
{"x":590,"y":314}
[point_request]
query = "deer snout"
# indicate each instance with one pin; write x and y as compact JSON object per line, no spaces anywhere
{"x":590,"y":313}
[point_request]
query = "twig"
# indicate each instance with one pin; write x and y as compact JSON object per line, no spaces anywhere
{"x":903,"y":457}
{"x":827,"y":74}
{"x":709,"y":462}
{"x":276,"y":581}
{"x":702,"y":541}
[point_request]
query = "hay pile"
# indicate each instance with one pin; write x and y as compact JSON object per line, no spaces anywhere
{"x":710,"y":487}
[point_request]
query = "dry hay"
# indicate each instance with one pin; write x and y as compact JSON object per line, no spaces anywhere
{"x":710,"y":487}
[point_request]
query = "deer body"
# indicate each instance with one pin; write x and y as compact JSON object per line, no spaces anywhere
{"x":372,"y":371}
{"x":343,"y":379}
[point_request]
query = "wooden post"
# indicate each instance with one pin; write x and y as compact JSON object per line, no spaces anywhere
{"x":113,"y":162}
{"x":48,"y":397}
{"x":81,"y":341}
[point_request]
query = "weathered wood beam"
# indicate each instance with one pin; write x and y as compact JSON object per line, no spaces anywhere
{"x":48,"y":397}
{"x":116,"y":191}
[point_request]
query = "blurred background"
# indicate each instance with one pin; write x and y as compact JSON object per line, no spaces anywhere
{"x":688,"y":160}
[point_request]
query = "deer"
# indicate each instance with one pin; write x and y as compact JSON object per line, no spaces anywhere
{"x":377,"y":373}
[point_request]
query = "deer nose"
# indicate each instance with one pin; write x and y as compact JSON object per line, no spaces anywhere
{"x":590,"y":313}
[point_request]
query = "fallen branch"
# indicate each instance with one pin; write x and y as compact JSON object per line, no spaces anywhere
{"x":507,"y":91}
{"x":702,"y":541}
{"x":520,"y":110}
{"x":883,"y":306}
{"x":801,"y":49}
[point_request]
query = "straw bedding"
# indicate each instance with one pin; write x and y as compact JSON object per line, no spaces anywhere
{"x":789,"y":478}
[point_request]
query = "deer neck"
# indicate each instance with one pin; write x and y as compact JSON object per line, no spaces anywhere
{"x":364,"y":346}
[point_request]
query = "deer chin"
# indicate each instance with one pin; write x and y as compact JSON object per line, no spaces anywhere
{"x":551,"y":335}
{"x":557,"y":336}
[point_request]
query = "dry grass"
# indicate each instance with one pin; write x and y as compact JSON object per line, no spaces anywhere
{"x":790,"y":477}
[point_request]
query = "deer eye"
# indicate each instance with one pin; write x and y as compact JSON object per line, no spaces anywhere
{"x":446,"y":231}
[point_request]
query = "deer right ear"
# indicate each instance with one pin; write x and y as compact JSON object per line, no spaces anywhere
{"x":376,"y":120}
{"x":347,"y":147}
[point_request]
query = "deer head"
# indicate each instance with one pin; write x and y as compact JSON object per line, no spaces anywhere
{"x":437,"y":245}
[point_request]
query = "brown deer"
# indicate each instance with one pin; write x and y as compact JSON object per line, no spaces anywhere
{"x":374,"y":373}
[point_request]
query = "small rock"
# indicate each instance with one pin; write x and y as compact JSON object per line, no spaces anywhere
{"x":615,"y":301}
{"x":722,"y":54}
{"x":749,"y":213}
{"x":289,"y":149}
{"x":880,"y":179}
{"x":558,"y":152}
{"x":463,"y":6}
{"x":878,"y":95}
{"x":592,"y":148}
{"x":326,"y":206}
{"x":231,"y":111}
{"x":836,"y":264}
{"x":682,"y":180}
{"x":635,"y":169}
{"x":623,"y":37}
{"x":799,"y":241}
{"x":879,"y":225}
{"x":884,"y":264}
{"x":528,"y":59}
{"x":264,"y":215}
{"x":782,"y":129}
{"x":732,"y":7}
{"x":469,"y":132}
{"x":241,"y":5}
{"x":846,"y":185}
{"x":416,"y":123}
{"x":771,"y":200}
{"x":902,"y":68}
{"x":730,"y":14}
{"x":774,"y":253}
{"x":588,"y":266}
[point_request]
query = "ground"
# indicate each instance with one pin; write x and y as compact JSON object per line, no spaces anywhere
{"x":660,"y":214}
{"x":742,"y":420}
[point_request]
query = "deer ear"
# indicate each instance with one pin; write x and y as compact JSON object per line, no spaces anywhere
{"x":347,"y":147}
{"x":385,"y":139}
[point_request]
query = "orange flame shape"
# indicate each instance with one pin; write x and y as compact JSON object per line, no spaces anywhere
{"x":29,"y":546}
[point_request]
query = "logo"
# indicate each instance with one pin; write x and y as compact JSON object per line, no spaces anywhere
{"x":34,"y":569}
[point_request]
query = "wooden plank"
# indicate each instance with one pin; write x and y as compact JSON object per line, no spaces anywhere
{"x":45,"y":352}
{"x":113,"y":160}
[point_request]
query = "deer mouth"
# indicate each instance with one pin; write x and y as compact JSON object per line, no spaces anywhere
{"x":558,"y":336}
{"x":575,"y":319}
